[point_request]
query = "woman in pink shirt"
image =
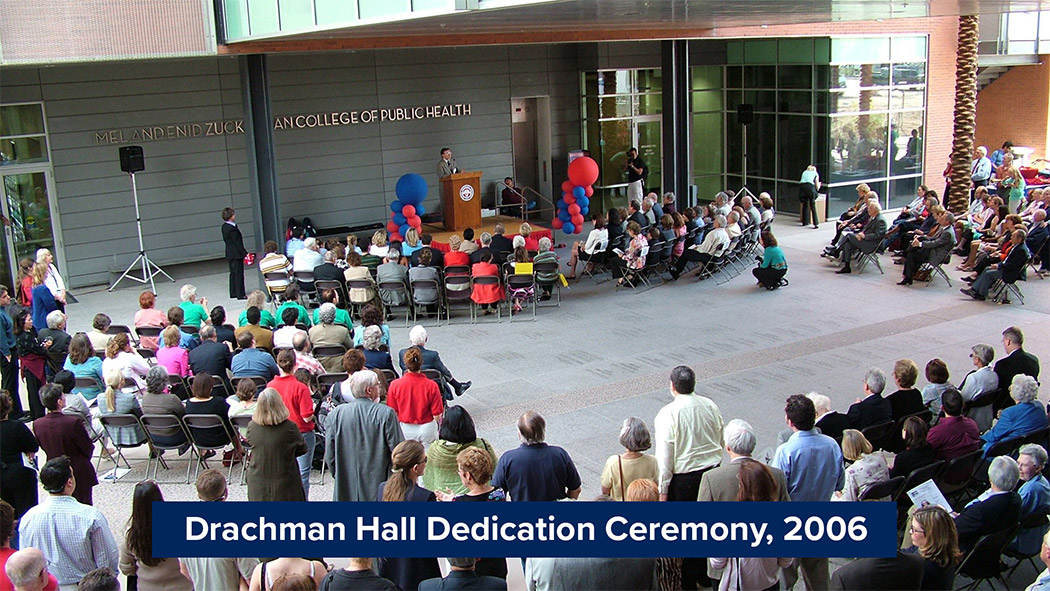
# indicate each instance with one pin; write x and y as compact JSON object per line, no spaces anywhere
{"x":151,"y":317}
{"x":174,"y":358}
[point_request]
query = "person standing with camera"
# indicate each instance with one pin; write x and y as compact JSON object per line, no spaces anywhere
{"x":637,"y":171}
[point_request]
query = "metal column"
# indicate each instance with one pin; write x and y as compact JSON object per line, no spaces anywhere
{"x":262,"y":169}
{"x":676,"y":122}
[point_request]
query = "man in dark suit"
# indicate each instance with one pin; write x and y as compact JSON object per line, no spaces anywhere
{"x":722,"y":483}
{"x":327,"y":271}
{"x":867,"y":240}
{"x":432,"y":360}
{"x":235,"y":252}
{"x":63,"y":434}
{"x":930,"y":249}
{"x":437,"y":258}
{"x":995,"y":509}
{"x":1010,"y":270}
{"x":634,"y":214}
{"x":501,"y":245}
{"x":486,"y":246}
{"x":873,"y":409}
{"x":462,"y":576}
{"x":1017,"y":361}
{"x":830,"y":422}
{"x":211,"y":356}
{"x":903,"y":571}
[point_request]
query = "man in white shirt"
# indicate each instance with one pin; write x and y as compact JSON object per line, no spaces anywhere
{"x":217,"y":573}
{"x":714,"y":244}
{"x":688,"y":444}
{"x":75,"y":537}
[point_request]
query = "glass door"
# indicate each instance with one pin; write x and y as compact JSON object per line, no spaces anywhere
{"x":28,"y":224}
{"x":649,"y":133}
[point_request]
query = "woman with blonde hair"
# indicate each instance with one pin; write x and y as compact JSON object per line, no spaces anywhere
{"x":409,"y":462}
{"x":455,"y":256}
{"x":119,"y":402}
{"x":174,"y":358}
{"x":867,"y":469}
{"x":52,"y":278}
{"x":258,"y":299}
{"x":525,"y":231}
{"x":379,"y":246}
{"x":411,"y":243}
{"x":43,"y":302}
{"x":120,"y":356}
{"x":273,"y":474}
{"x":935,"y":538}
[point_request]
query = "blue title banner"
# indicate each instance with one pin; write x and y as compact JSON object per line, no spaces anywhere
{"x":565,"y":529}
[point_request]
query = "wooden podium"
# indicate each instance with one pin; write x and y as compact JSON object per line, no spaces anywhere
{"x":461,"y":200}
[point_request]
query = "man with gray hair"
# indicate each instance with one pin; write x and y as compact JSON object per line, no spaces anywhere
{"x":211,"y":356}
{"x":721,"y":483}
{"x":303,"y":358}
{"x":462,"y":575}
{"x":358,"y":440}
{"x":535,"y":471}
{"x":391,"y":272}
{"x":328,"y":271}
{"x":486,"y":247}
{"x":872,"y":408}
{"x":933,"y":249}
{"x":981,"y":168}
{"x":56,"y":331}
{"x":830,"y":422}
{"x":995,"y":509}
{"x":328,"y":334}
{"x":417,"y":337}
{"x":714,"y":244}
{"x":27,"y":571}
{"x":865,"y":241}
{"x":1035,"y":496}
{"x":1017,"y":361}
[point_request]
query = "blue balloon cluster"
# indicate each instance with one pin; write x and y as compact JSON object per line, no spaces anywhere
{"x":571,"y":209}
{"x":407,"y":209}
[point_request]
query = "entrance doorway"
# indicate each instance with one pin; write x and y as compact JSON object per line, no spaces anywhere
{"x":531,"y":144}
{"x":29,"y":222}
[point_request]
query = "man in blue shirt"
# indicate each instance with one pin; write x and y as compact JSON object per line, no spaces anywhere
{"x":536,"y":471}
{"x":8,"y":359}
{"x":251,"y":361}
{"x":812,"y":464}
{"x":295,"y":243}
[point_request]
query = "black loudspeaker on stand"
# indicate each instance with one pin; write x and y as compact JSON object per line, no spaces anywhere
{"x":132,"y":161}
{"x":745,"y":115}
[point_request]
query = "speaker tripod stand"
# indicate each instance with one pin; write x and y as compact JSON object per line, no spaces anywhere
{"x":743,"y":189}
{"x":148,"y":268}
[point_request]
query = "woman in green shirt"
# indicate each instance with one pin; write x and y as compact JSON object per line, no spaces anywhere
{"x":456,"y":433}
{"x":291,"y":300}
{"x":774,"y":267}
{"x":258,"y":299}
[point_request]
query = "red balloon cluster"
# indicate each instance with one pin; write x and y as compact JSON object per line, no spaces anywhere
{"x":575,"y":196}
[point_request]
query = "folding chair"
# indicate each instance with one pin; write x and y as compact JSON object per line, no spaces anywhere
{"x":326,"y":380}
{"x":938,"y":270}
{"x":958,"y":473}
{"x":275,"y":277}
{"x":523,"y":287}
{"x":1034,"y":261}
{"x":337,"y":286}
{"x":196,"y":424}
{"x":119,"y":421}
{"x":190,"y":329}
{"x":388,"y":375}
{"x":329,"y":351}
{"x":982,"y":563}
{"x":864,"y":258}
{"x":876,"y":434}
{"x":260,"y":382}
{"x":148,"y":354}
{"x":979,"y":408}
{"x":631,"y":275}
{"x":398,"y":288}
{"x":595,"y":264}
{"x":453,"y":270}
{"x":1035,"y":521}
{"x":915,"y":478}
{"x":155,"y":425}
{"x":147,"y":331}
{"x":652,"y":262}
{"x":549,"y":269}
{"x":1001,"y":290}
{"x":423,"y":285}
{"x":115,"y":329}
{"x":352,"y":284}
{"x":887,"y":489}
{"x":492,"y":280}
{"x":241,"y":422}
{"x":717,"y":260}
{"x":307,"y":287}
{"x":457,"y":291}
{"x":180,"y":386}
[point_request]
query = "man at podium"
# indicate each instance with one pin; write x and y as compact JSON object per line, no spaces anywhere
{"x":447,"y":164}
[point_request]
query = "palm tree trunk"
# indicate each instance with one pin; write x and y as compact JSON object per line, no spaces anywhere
{"x":965,"y":114}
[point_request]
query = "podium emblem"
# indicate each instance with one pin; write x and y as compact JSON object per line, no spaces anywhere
{"x":466,"y":192}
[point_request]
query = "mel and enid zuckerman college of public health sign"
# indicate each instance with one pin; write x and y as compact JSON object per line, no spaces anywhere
{"x":562,"y":529}
{"x":153,"y":133}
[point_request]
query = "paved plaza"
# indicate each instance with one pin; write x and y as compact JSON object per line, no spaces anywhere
{"x":605,"y":355}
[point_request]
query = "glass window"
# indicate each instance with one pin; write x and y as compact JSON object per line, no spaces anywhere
{"x":847,"y":50}
{"x":762,"y":100}
{"x":707,"y":152}
{"x":763,"y":51}
{"x":616,"y":106}
{"x":902,"y":191}
{"x":842,"y":198}
{"x":796,"y":51}
{"x":734,"y":77}
{"x":909,"y":73}
{"x":296,"y":14}
{"x":707,"y":77}
{"x":616,"y":140}
{"x":649,"y":81}
{"x":908,"y":49}
{"x":21,"y":120}
{"x":708,"y":100}
{"x":334,"y":11}
{"x":795,"y":101}
{"x":381,"y":8}
{"x":858,"y":147}
{"x":263,"y":17}
{"x":762,"y":146}
{"x":850,"y":101}
{"x":1022,"y":26}
{"x":794,"y":136}
{"x":23,"y":150}
{"x":650,"y":104}
{"x":760,"y":77}
{"x":795,"y":77}
{"x":422,"y":5}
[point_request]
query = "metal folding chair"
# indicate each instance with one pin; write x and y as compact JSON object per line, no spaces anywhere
{"x":425,"y":285}
{"x":151,"y":424}
{"x":525,"y":288}
{"x":864,"y":258}
{"x":396,"y":287}
{"x":196,"y":424}
{"x":457,"y":291}
{"x":489,"y":280}
{"x":550,"y":269}
{"x":116,"y":421}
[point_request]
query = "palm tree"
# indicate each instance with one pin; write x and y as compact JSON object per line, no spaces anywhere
{"x":965,"y":113}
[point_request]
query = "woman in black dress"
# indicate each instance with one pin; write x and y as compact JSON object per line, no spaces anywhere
{"x":17,"y":481}
{"x":203,"y":403}
{"x":409,"y":460}
{"x":32,"y":357}
{"x":917,"y":453}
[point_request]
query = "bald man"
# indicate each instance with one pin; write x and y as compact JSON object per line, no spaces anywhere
{"x":27,"y":570}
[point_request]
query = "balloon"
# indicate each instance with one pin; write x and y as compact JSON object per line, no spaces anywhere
{"x":408,"y":211}
{"x":564,"y":215}
{"x":588,"y":191}
{"x":391,"y":227}
{"x":583,"y":201}
{"x":574,"y":209}
{"x":404,"y":229}
{"x":569,"y":199}
{"x":397,"y":237}
{"x":396,"y":206}
{"x":399,"y":219}
{"x":567,"y":186}
{"x":414,"y":221}
{"x":411,"y":188}
{"x":584,"y":210}
{"x":568,"y":228}
{"x":579,"y":192}
{"x":556,"y":223}
{"x":577,"y":220}
{"x":561,"y":204}
{"x":583,"y":171}
{"x":420,"y":210}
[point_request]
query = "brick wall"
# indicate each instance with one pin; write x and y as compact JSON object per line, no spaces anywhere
{"x":1014,"y":108}
{"x":940,"y":75}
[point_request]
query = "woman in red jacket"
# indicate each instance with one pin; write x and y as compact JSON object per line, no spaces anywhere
{"x":487,"y":296}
